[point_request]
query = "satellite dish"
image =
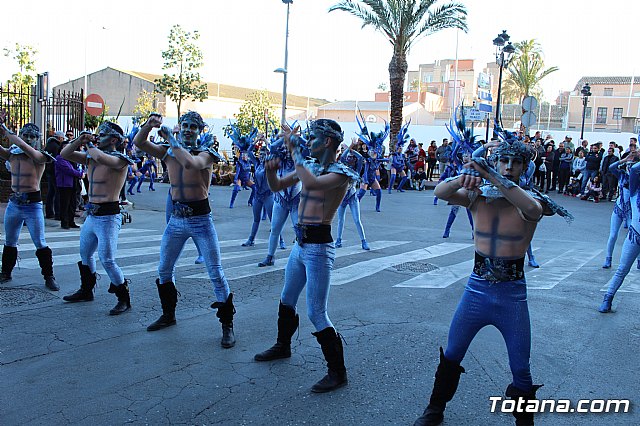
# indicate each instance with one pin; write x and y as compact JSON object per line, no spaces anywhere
{"x":529,"y":119}
{"x":529,"y":104}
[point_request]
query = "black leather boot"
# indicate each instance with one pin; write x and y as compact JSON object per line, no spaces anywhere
{"x":225,"y":315}
{"x":87,"y":284}
{"x":331,"y":345}
{"x":522,"y":418}
{"x":288,"y":322}
{"x":169,"y":300}
{"x":444,"y":387}
{"x":45,"y":259}
{"x":9,"y":258}
{"x":122,"y":293}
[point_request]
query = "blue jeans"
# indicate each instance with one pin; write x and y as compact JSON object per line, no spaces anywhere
{"x":258,"y":204}
{"x":310,"y":265}
{"x":630,"y":252}
{"x":31,"y":214}
{"x":503,"y":305}
{"x":278,"y":219}
{"x":101,"y":233}
{"x":586,"y":175}
{"x":354,"y":206}
{"x":201,"y":229}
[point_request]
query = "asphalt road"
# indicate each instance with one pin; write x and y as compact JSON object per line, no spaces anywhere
{"x":74,"y":364}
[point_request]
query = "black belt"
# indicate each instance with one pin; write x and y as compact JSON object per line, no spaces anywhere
{"x":103,"y":209}
{"x":191,"y":208}
{"x":26,"y":197}
{"x":497,"y":269}
{"x":313,"y":233}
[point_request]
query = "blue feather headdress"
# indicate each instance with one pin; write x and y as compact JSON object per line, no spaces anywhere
{"x":243,"y":142}
{"x":463,"y":142}
{"x":277,"y":147}
{"x":403,"y":135}
{"x":373,"y":140}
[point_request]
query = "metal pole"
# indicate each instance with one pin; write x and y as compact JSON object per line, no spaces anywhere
{"x":286,"y":70}
{"x":498,"y":115}
{"x":584,"y":111}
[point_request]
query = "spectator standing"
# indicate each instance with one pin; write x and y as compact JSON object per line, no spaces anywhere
{"x":593,"y":159}
{"x":564,"y":171}
{"x":412,"y":152}
{"x":442,"y":155}
{"x":556,"y":165}
{"x":540,"y":153}
{"x":568,"y":142}
{"x":431,"y":159}
{"x":52,"y":205}
{"x":548,"y":160}
{"x":610,"y":181}
{"x":584,"y":147}
{"x":66,"y":175}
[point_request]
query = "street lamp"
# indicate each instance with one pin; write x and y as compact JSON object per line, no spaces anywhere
{"x":283,"y":70}
{"x":586,"y":92}
{"x":503,"y":55}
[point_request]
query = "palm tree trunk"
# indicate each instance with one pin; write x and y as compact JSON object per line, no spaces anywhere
{"x":397,"y":73}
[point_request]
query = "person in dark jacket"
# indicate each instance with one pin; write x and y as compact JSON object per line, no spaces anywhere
{"x":556,"y":166}
{"x":610,"y":181}
{"x":52,"y":204}
{"x":66,"y":174}
{"x":593,"y":159}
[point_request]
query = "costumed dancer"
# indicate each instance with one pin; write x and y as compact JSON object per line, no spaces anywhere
{"x":399,"y":160}
{"x":621,"y":213}
{"x":324,"y":184}
{"x":107,"y":171}
{"x":354,"y":160}
{"x":26,"y":165}
{"x":372,"y":163}
{"x":190,"y":166}
{"x":149,"y":167}
{"x":242,"y":178}
{"x":631,"y":246}
{"x":133,"y":175}
{"x":463,"y":145}
{"x":286,"y":199}
{"x":505,"y":216}
{"x":263,"y":197}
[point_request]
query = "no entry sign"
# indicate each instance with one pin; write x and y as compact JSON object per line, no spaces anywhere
{"x":94,"y":105}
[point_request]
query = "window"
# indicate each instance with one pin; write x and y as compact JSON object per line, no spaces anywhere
{"x":608,"y":91}
{"x":601,"y":115}
{"x":587,"y":112}
{"x":617,"y":114}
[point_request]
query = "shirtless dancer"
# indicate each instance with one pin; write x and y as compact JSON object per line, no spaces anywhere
{"x":25,"y":204}
{"x":190,"y":166}
{"x":107,"y":171}
{"x":506,"y":217}
{"x":324,"y":184}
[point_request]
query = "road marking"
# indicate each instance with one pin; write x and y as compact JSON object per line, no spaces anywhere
{"x":251,"y":270}
{"x":559,"y":268}
{"x":367,"y":268}
{"x":440,"y":278}
{"x":24,"y":235}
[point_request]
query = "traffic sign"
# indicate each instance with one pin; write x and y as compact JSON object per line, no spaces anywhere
{"x":94,"y":104}
{"x":473,"y":114}
{"x":529,"y":104}
{"x":529,"y":119}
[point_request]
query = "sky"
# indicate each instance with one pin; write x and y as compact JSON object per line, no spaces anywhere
{"x":330,"y":55}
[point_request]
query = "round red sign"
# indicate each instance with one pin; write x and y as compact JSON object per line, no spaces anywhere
{"x":94,"y":104}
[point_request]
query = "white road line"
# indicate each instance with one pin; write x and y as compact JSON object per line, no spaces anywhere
{"x":631,"y":282}
{"x":251,"y":270}
{"x":440,"y":278}
{"x":72,"y":259}
{"x":559,"y":268}
{"x":367,"y":268}
{"x":24,"y":235}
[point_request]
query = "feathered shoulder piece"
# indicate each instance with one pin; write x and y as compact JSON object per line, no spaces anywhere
{"x":373,"y":140}
{"x":403,"y":135}
{"x":243,"y":142}
{"x":463,"y":141}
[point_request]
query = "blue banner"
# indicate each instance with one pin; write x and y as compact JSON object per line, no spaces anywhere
{"x":485,"y":107}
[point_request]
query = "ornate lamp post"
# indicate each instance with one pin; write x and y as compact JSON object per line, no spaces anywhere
{"x":586,"y":92}
{"x":503,"y":55}
{"x":284,"y":70}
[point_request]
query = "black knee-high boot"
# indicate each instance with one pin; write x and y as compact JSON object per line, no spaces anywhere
{"x":122,"y":293}
{"x":169,"y":299}
{"x":225,"y":315}
{"x":87,"y":283}
{"x":288,"y":322}
{"x":9,"y":258}
{"x":522,"y":418}
{"x":333,"y":352}
{"x":45,"y":259}
{"x":444,"y":387}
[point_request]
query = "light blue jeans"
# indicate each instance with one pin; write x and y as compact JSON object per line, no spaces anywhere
{"x":101,"y":233}
{"x":503,"y":305}
{"x":279,"y":217}
{"x":31,"y":214}
{"x":630,"y":252}
{"x":586,"y":175}
{"x":354,"y":206}
{"x":310,"y":265}
{"x":201,"y":229}
{"x":258,"y":204}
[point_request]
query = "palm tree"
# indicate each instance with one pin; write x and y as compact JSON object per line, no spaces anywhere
{"x":525,"y":72}
{"x":403,"y":22}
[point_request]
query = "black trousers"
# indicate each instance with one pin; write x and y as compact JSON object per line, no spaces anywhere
{"x":67,"y":206}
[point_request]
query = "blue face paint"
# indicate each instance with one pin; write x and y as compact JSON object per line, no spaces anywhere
{"x":189,"y":132}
